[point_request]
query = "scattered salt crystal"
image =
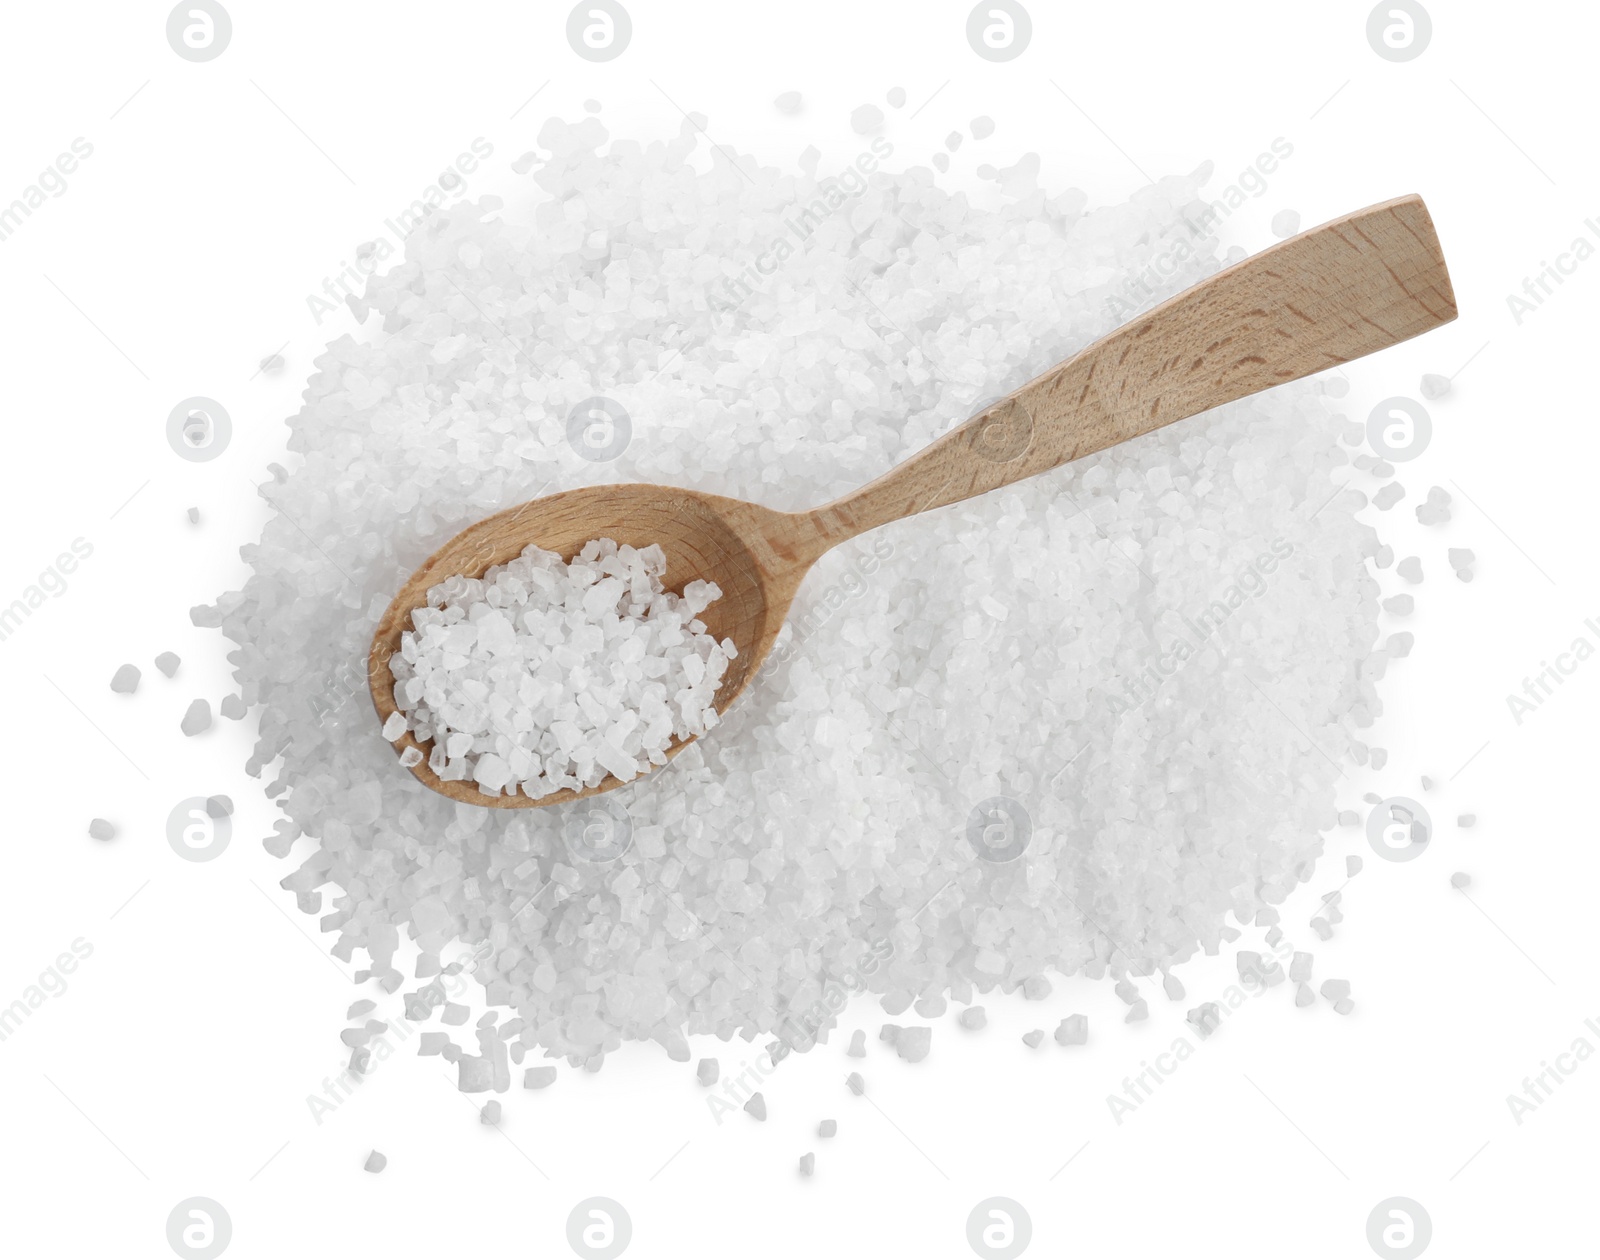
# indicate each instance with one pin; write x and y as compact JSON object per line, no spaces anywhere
{"x":913,"y":1044}
{"x":1398,"y":645}
{"x":1436,"y":510}
{"x":1139,"y":1010}
{"x":889,"y":1033}
{"x":196,"y":718}
{"x":808,"y":1164}
{"x":856,"y":1084}
{"x":827,"y":1128}
{"x":1352,"y":866}
{"x":787,"y":102}
{"x":1036,"y":988}
{"x":858,"y":1044}
{"x":431,"y":1042}
{"x":1335,"y":990}
{"x":1379,"y":758}
{"x":1460,"y":880}
{"x":1300,"y":967}
{"x":896,"y":97}
{"x":931,"y":1007}
{"x":953,"y":141}
{"x":1285,"y":223}
{"x":1173,"y":987}
{"x":1205,"y":1018}
{"x":1033,"y":1039}
{"x":1349,"y":818}
{"x":193,"y":515}
{"x":982,"y":127}
{"x":866,"y":119}
{"x":895,"y":1001}
{"x":1466,"y":820}
{"x":1399,"y":605}
{"x":1410,"y":569}
{"x":168,"y":663}
{"x":974,"y":1017}
{"x":706,"y":1071}
{"x":1344,"y":1006}
{"x":1303,"y":996}
{"x":1321,"y":928}
{"x":232,"y":706}
{"x":1073,"y":1030}
{"x":394,"y":726}
{"x":126,"y":679}
{"x":1388,"y":495}
{"x":219,"y":806}
{"x":376,"y":1162}
{"x":454,"y":1013}
{"x":100,"y":829}
{"x":1433,"y":385}
{"x":541,"y":1077}
{"x":490,"y":1114}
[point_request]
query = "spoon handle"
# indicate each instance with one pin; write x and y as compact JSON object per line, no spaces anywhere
{"x":1359,"y":284}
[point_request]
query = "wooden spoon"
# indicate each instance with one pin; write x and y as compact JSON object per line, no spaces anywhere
{"x":1348,"y":288}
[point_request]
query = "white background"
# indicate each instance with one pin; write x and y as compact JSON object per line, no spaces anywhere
{"x":179,"y":1059}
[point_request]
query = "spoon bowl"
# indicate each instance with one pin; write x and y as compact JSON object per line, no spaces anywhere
{"x":756,"y":556}
{"x":1356,"y":285}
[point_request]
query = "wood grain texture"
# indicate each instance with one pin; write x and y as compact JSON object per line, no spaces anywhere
{"x":1348,"y":288}
{"x":1359,"y":284}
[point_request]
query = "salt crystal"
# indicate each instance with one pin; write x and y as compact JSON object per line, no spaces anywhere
{"x":1388,"y":495}
{"x":1033,"y":1039}
{"x":706,"y":1071}
{"x":1303,"y":996}
{"x":167,"y":663}
{"x":787,"y":102}
{"x":1466,"y":820}
{"x":866,"y":119}
{"x":1285,"y":223}
{"x":808,"y":1163}
{"x":1173,"y":987}
{"x":856,"y":1084}
{"x":196,"y":718}
{"x":1436,"y":510}
{"x":232,"y":707}
{"x":858,"y":1044}
{"x":1300,"y":967}
{"x":194,"y":516}
{"x":827,"y":1128}
{"x":757,"y":1106}
{"x":1139,"y":1010}
{"x":1433,"y":385}
{"x":490,"y":1114}
{"x":1073,"y":1030}
{"x":376,"y":1162}
{"x":974,"y":1017}
{"x":913,"y":1044}
{"x":896,"y":97}
{"x":1410,"y":569}
{"x":541,"y":1077}
{"x":982,"y":127}
{"x":1460,"y":880}
{"x":100,"y":829}
{"x":126,"y":679}
{"x":1352,"y":866}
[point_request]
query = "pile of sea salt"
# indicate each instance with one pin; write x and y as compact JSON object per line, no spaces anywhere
{"x":543,"y":675}
{"x":1155,"y":659}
